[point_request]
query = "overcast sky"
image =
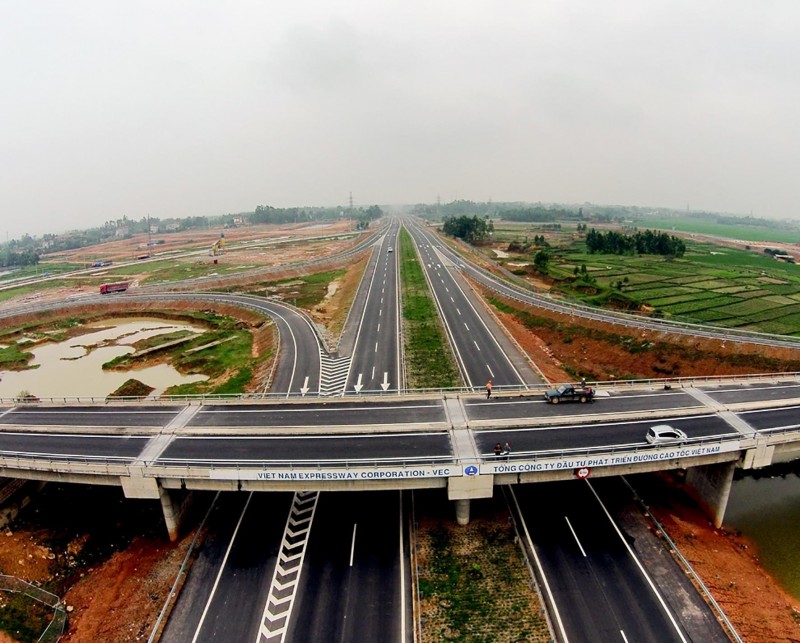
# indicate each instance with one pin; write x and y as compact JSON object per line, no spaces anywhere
{"x":200,"y":108}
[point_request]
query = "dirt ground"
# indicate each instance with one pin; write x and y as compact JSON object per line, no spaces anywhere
{"x":118,"y":599}
{"x":127,"y":249}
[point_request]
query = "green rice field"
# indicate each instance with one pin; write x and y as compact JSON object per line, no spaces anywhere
{"x":710,"y":284}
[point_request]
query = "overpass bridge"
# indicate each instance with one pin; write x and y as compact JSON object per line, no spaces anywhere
{"x":166,"y":450}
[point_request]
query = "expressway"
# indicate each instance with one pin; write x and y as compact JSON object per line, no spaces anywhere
{"x":483,"y":350}
{"x":375,"y":364}
{"x":601,"y":570}
{"x":355,"y":553}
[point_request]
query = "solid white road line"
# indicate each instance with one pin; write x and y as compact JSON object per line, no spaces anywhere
{"x":639,"y":565}
{"x":353,"y":543}
{"x":221,"y":569}
{"x":556,"y":614}
{"x":575,"y":536}
{"x":402,"y":574}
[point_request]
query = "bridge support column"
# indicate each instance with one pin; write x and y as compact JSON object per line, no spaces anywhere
{"x":171,"y":513}
{"x":174,"y":505}
{"x":462,"y":511}
{"x":711,"y":485}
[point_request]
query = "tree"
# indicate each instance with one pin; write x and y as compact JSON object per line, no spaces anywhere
{"x":473,"y":229}
{"x":541,"y":260}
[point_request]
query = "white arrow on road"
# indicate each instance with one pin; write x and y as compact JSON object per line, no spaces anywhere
{"x":304,"y":390}
{"x":385,"y":383}
{"x":358,"y":385}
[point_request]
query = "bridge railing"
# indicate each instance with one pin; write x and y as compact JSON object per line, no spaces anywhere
{"x":305,"y":465}
{"x":627,"y":449}
{"x":497,"y":391}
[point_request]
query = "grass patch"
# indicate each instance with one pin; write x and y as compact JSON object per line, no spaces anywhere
{"x":23,"y":617}
{"x":473,"y":583}
{"x":229,"y":364}
{"x":13,"y":358}
{"x":306,"y":291}
{"x":429,"y":363}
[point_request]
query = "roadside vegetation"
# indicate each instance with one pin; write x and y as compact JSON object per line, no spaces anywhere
{"x":304,"y":291}
{"x":598,"y":351}
{"x":14,"y":358}
{"x":473,"y":582}
{"x":429,"y":362}
{"x":326,"y":296}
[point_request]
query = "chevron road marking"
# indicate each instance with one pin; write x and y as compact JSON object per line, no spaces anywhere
{"x":285,"y":579}
{"x":333,"y":375}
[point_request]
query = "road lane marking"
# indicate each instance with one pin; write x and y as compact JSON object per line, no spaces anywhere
{"x":552,"y":602}
{"x":476,"y":344}
{"x":288,"y":568}
{"x":624,"y":638}
{"x":575,"y":536}
{"x":489,"y":368}
{"x":639,"y":565}
{"x":379,"y":327}
{"x":465,"y":326}
{"x":221,"y":569}
{"x":353,"y":543}
{"x":376,"y":347}
{"x":402,"y":574}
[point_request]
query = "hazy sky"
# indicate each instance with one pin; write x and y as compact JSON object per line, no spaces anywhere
{"x":195,"y":108}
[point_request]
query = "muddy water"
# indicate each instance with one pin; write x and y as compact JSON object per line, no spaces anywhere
{"x":73,"y":367}
{"x":767,"y":512}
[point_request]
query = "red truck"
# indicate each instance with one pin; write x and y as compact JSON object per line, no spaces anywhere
{"x":120,"y":286}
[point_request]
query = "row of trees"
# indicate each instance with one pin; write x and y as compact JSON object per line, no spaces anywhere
{"x":473,"y":229}
{"x":268,"y":214}
{"x":9,"y":259}
{"x":643,"y":243}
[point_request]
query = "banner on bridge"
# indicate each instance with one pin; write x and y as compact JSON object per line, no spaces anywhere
{"x":333,"y":474}
{"x":568,"y":463}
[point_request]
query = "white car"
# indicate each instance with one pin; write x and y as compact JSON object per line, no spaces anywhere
{"x":390,"y":248}
{"x":664,"y":433}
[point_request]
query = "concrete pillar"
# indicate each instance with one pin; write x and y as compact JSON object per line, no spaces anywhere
{"x":711,"y":486}
{"x":171,"y":507}
{"x":462,"y":511}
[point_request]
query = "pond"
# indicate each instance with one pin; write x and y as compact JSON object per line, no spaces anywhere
{"x":767,"y":512}
{"x":74,"y":368}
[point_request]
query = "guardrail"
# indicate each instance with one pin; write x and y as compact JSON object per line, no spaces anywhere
{"x":671,"y":382}
{"x":55,"y":628}
{"x":617,"y":449}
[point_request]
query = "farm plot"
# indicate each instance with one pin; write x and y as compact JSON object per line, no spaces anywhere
{"x":710,"y":284}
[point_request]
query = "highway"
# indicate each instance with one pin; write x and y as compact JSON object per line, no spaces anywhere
{"x":351,"y":581}
{"x":482,"y":349}
{"x":595,"y":571}
{"x":375,"y":363}
{"x":356,"y":583}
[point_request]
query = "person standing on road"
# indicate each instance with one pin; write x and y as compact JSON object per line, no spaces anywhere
{"x":488,"y":389}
